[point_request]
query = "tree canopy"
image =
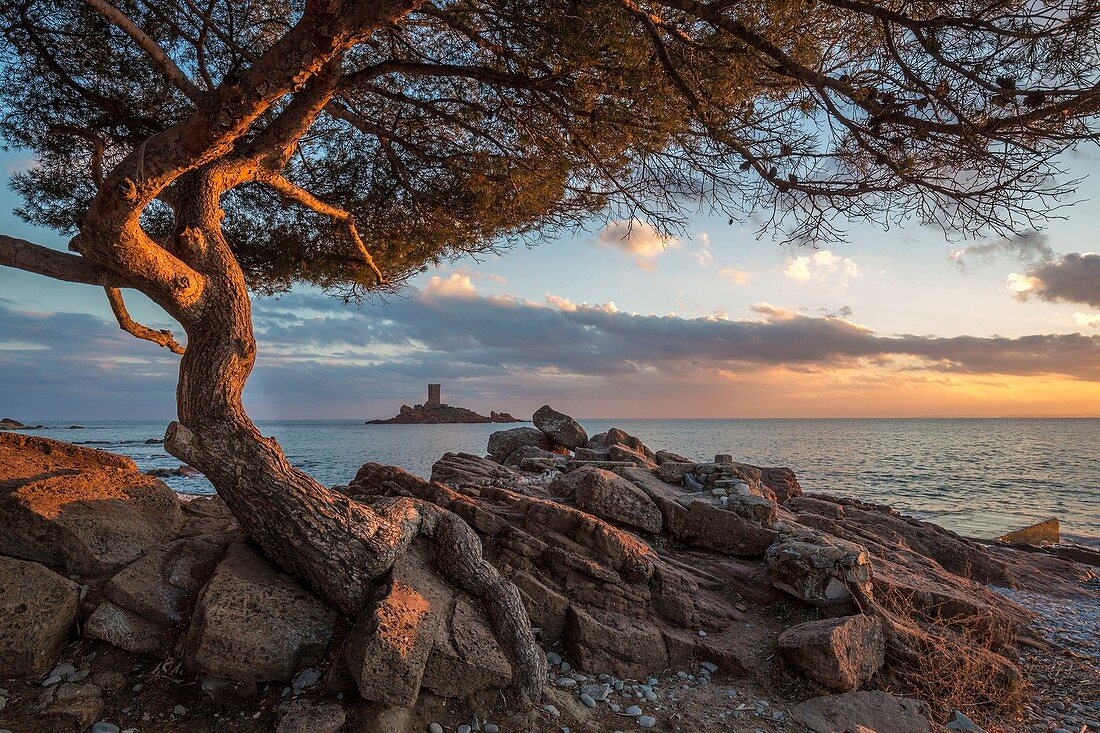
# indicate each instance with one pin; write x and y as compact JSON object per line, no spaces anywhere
{"x":436,"y":129}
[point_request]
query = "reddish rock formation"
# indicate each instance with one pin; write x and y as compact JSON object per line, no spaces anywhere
{"x":630,"y":570}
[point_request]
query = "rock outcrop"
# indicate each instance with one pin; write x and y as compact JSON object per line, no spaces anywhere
{"x":83,"y":511}
{"x":631,"y":568}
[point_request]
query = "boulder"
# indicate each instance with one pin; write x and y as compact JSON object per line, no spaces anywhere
{"x":67,"y":708}
{"x":163,"y":584}
{"x":85,"y":511}
{"x":782,"y":482}
{"x":127,"y":630}
{"x":672,"y":472}
{"x":388,"y":647}
{"x":621,"y":438}
{"x":457,"y":469}
{"x":822,"y":571}
{"x":252,"y":622}
{"x":626,"y":454}
{"x":666,"y":456}
{"x":303,"y":716}
{"x":466,"y":657}
{"x":878,"y":711}
{"x":505,"y":442}
{"x":518,"y":458}
{"x":840,"y":653}
{"x":559,"y":427}
{"x":727,"y":530}
{"x":38,"y":608}
{"x":611,"y":497}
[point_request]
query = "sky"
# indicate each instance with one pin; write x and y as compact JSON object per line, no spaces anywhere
{"x":716,"y":323}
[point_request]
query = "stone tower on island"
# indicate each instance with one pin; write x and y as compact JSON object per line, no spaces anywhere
{"x":434,"y":411}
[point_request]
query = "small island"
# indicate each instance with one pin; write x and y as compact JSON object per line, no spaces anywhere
{"x":433,"y":411}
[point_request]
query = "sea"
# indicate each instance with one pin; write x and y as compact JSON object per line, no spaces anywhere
{"x":979,"y":477}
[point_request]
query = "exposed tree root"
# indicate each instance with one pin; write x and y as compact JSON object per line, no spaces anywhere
{"x":377,"y":532}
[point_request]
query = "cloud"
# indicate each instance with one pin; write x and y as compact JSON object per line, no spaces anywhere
{"x":319,"y":358}
{"x":601,"y":341}
{"x":738,"y":276}
{"x":457,"y":285}
{"x":636,"y":238}
{"x":1021,"y":284}
{"x":1075,"y":278}
{"x":821,"y":266}
{"x":1087,"y":320}
{"x":702,"y":254}
{"x":1028,"y":247}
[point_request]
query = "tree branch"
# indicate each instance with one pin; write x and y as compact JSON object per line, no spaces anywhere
{"x":132,"y":327}
{"x":163,"y":61}
{"x":307,"y":199}
{"x":30,"y":257}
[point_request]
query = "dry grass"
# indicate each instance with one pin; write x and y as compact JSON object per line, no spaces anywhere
{"x":954,"y":663}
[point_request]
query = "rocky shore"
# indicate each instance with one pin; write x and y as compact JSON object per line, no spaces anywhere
{"x":668,"y":594}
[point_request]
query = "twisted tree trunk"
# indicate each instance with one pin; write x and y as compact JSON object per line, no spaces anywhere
{"x":340,"y":547}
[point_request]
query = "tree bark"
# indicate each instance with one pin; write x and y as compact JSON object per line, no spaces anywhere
{"x":340,"y":547}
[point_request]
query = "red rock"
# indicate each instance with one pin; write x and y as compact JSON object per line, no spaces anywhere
{"x":841,"y":653}
{"x":561,"y":428}
{"x":464,"y":468}
{"x":611,"y":497}
{"x":466,"y":657}
{"x":602,"y":641}
{"x":86,"y":511}
{"x":821,"y":570}
{"x":254,"y":623}
{"x":877,"y":711}
{"x":718,"y":528}
{"x":387,"y":649}
{"x":127,"y":630}
{"x":67,"y":708}
{"x":38,"y":608}
{"x":504,"y":442}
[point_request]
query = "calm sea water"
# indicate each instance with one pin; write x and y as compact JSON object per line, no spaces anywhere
{"x":973,"y":476}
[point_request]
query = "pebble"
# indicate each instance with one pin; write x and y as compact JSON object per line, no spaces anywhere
{"x":463,"y":729}
{"x":52,"y":680}
{"x":702,"y":633}
{"x":565,"y":682}
{"x":565,"y":666}
{"x":492,"y":728}
{"x":634,"y":711}
{"x":647,"y":721}
{"x":63,"y":670}
{"x":554,"y":658}
{"x":435,"y":728}
{"x":305,"y":679}
{"x":104,"y":727}
{"x":179,"y":710}
{"x":553,"y":711}
{"x":587,"y":700}
{"x":710,"y":667}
